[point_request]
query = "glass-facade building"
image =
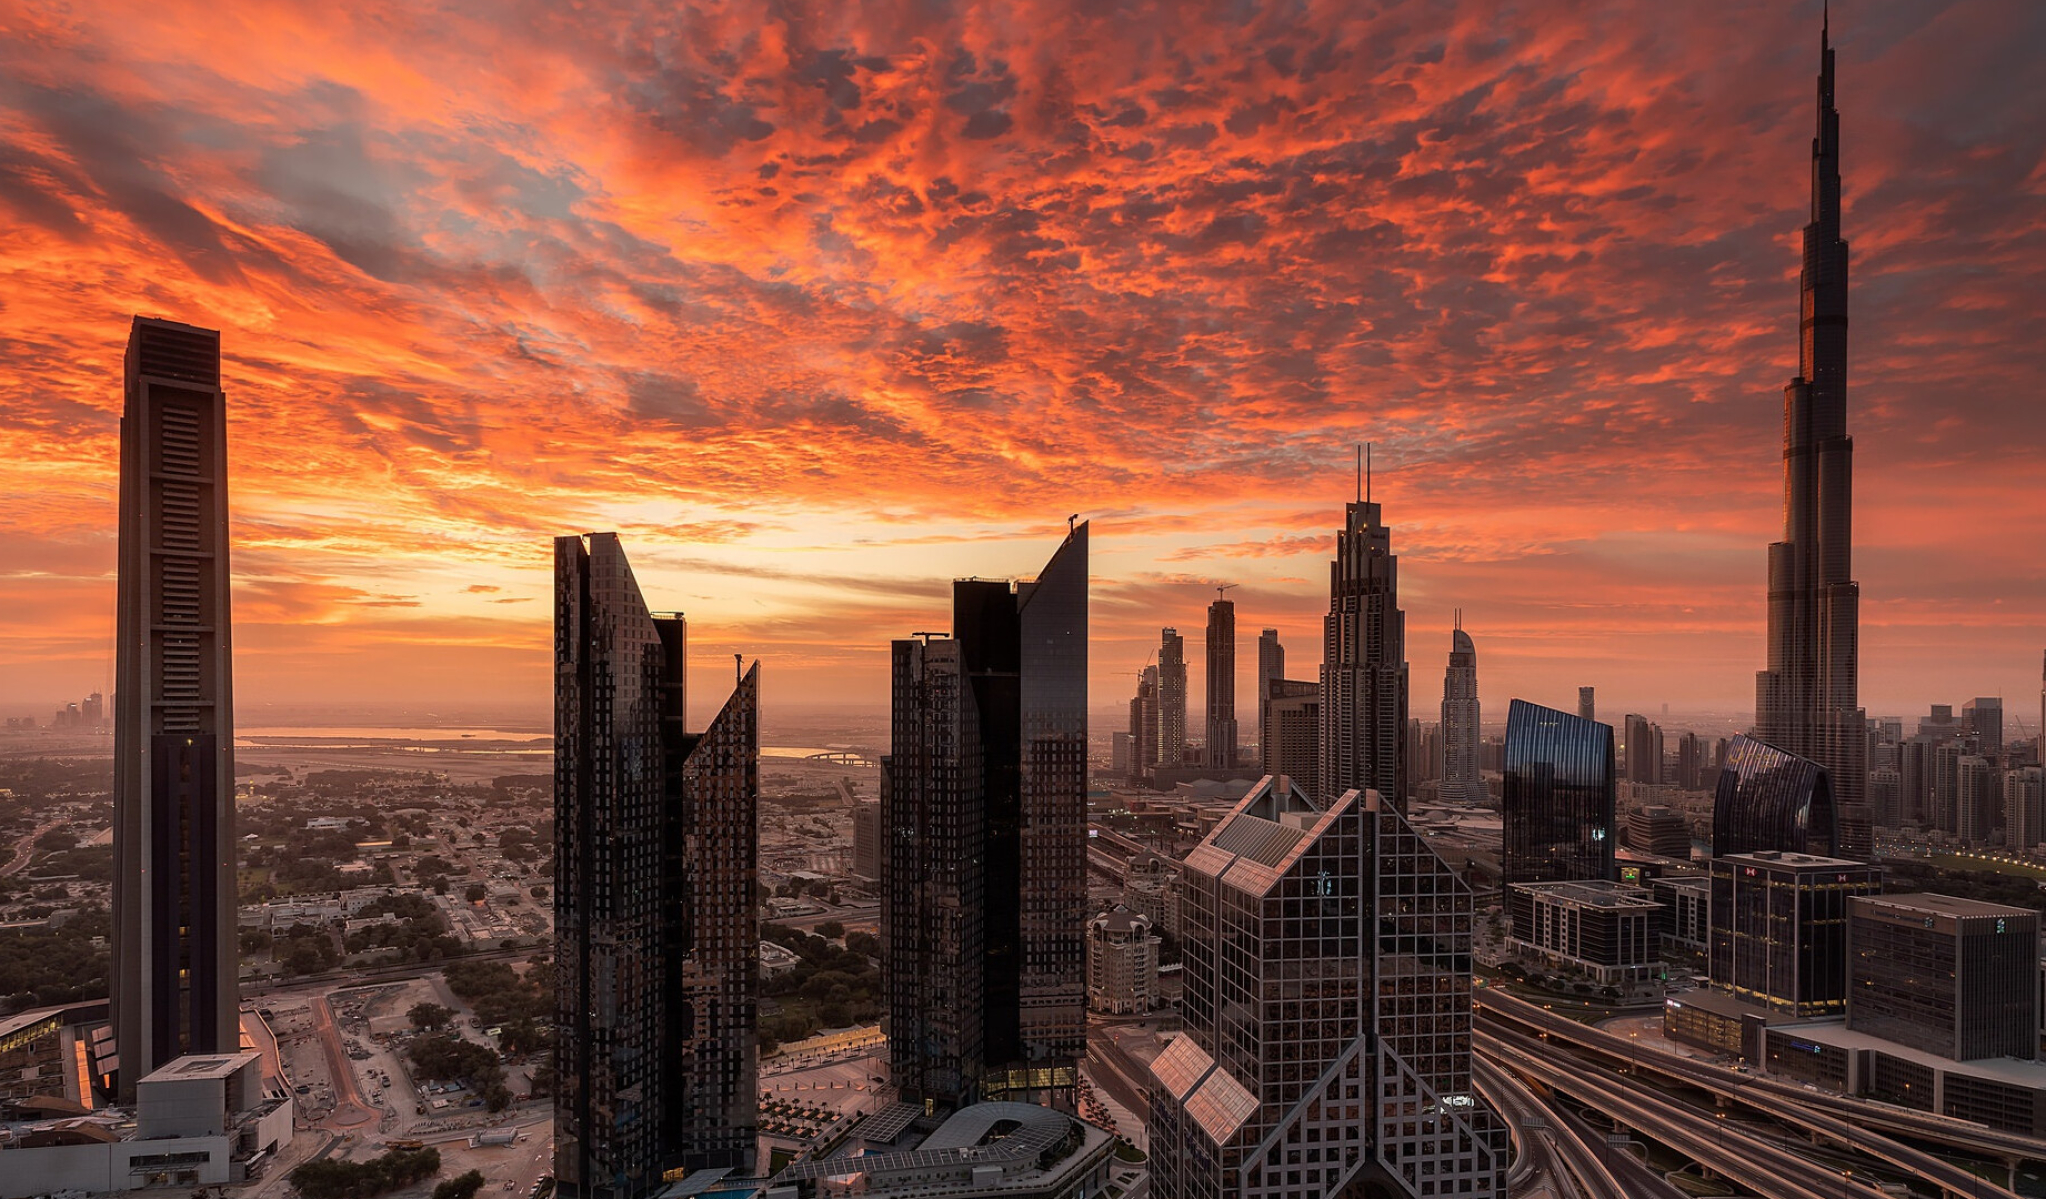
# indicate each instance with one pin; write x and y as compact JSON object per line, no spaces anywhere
{"x":656,"y":893}
{"x":1327,"y":1013}
{"x":1779,"y":929}
{"x":1771,"y":800}
{"x":1364,"y":664}
{"x":1559,"y":797}
{"x":1955,"y":977}
{"x":984,"y":810}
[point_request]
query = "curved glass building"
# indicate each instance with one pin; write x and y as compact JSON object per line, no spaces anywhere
{"x":1558,"y":797}
{"x":1771,"y":799}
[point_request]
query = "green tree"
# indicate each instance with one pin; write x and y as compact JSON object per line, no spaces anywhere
{"x":430,"y":1017}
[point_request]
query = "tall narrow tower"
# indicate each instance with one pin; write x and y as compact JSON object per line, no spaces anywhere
{"x":1221,"y":747}
{"x":1171,"y":739}
{"x":1806,"y":701}
{"x":655,"y":896}
{"x":1364,"y":664}
{"x":1461,"y":781}
{"x":984,"y":804}
{"x":175,"y":975}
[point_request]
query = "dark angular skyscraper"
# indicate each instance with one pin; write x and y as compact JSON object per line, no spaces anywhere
{"x":1558,"y":797}
{"x":1221,"y":663}
{"x":176,"y":981}
{"x":1364,"y":664}
{"x":1807,"y":702}
{"x":1769,"y":800}
{"x":656,"y":939}
{"x":1016,"y":701}
{"x":934,"y":877}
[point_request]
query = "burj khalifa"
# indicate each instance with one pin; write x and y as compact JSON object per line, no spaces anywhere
{"x":1807,"y":701}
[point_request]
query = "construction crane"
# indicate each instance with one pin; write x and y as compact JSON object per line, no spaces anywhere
{"x":1222,"y":587}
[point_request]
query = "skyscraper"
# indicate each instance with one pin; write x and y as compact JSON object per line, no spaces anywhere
{"x":1587,"y":704}
{"x":176,"y":980}
{"x":1171,"y":698}
{"x":1461,"y":782}
{"x":657,"y":981}
{"x":1271,"y":664}
{"x":1806,"y":701}
{"x":1983,"y":716}
{"x":1364,"y":664}
{"x":1144,"y":724}
{"x":984,"y":791}
{"x":1290,"y":739}
{"x":934,"y":877}
{"x":1644,"y":750}
{"x":1355,"y":1072}
{"x":1221,"y":665}
{"x":1557,"y":797}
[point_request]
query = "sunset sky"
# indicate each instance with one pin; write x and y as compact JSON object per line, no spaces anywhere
{"x":822,"y":305}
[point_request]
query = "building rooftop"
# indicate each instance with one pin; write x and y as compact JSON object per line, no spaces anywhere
{"x":215,"y":1065}
{"x":2009,"y":1070}
{"x":1945,"y":905}
{"x":1593,"y":893}
{"x":1771,"y":857}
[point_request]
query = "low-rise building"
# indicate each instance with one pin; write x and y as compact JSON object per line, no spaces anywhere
{"x":1954,"y":977}
{"x":1654,"y":828}
{"x":1607,"y":930}
{"x":198,"y":1121}
{"x":984,"y":1151}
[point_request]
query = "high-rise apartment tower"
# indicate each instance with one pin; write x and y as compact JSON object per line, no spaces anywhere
{"x":1171,"y":742}
{"x":1221,"y":663}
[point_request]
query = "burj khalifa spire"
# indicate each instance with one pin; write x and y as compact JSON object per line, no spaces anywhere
{"x":1807,"y":701}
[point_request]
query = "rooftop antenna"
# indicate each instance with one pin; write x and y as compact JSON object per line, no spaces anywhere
{"x":1367,"y":472}
{"x":1360,"y":474}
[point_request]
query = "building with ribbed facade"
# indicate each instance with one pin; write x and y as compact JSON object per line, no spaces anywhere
{"x":175,"y":961}
{"x":1769,"y":799}
{"x":656,"y":894}
{"x":984,"y":882}
{"x":1352,"y":1078}
{"x":1655,"y":829}
{"x":1558,"y":797}
{"x":1364,"y":664}
{"x":1807,"y":697}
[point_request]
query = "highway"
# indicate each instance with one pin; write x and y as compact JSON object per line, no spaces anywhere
{"x":1727,"y":1148}
{"x":1547,"y":1160}
{"x":1857,"y":1127}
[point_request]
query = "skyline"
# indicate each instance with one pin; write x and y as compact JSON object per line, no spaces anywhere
{"x":368,"y":572}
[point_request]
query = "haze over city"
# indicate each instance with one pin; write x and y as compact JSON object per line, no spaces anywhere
{"x":820,"y":313}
